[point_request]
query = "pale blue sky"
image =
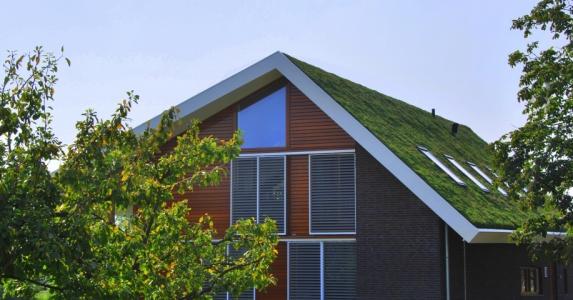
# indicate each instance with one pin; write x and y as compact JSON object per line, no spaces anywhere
{"x":443,"y":54}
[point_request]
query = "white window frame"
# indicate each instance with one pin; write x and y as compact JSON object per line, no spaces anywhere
{"x":485,"y":177}
{"x":441,"y":165}
{"x":466,"y":173}
{"x":258,"y":156}
{"x":321,"y":241}
{"x":227,"y":295}
{"x":310,"y":232}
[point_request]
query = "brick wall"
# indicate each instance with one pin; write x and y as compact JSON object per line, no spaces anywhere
{"x":399,"y":248}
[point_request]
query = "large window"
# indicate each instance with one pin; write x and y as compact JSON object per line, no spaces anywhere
{"x":530,"y":281}
{"x":258,"y":189}
{"x":263,"y":122}
{"x":322,"y":270}
{"x":332,"y":193}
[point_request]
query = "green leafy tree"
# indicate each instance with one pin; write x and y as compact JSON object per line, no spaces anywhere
{"x":536,"y":160}
{"x":108,"y":217}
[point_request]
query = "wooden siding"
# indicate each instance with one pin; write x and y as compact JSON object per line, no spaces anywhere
{"x":215,"y":200}
{"x":297,"y":193}
{"x":279,"y":270}
{"x":220,"y":125}
{"x":310,"y":128}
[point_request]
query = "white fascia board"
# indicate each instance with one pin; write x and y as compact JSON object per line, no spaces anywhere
{"x":222,"y":94}
{"x":501,"y":236}
{"x":270,"y":68}
{"x":378,"y":150}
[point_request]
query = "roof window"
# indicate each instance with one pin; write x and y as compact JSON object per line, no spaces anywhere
{"x":487,"y":178}
{"x":441,"y":165}
{"x":468,"y":174}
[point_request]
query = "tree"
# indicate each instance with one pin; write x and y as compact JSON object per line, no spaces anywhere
{"x":152,"y":250}
{"x":536,"y":160}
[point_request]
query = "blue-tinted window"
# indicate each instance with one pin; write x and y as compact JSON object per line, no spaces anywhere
{"x":263,"y":122}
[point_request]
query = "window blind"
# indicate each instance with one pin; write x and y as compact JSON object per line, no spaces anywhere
{"x":332,"y":193}
{"x":258,"y":189}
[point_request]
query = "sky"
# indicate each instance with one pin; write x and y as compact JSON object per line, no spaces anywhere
{"x":443,"y":54}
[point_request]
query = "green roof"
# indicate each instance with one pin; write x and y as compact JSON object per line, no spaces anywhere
{"x":402,"y":127}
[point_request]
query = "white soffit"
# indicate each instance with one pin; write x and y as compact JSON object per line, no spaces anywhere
{"x":271,"y":68}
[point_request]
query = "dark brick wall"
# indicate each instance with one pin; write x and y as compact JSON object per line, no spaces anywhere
{"x":493,"y":272}
{"x":399,"y":248}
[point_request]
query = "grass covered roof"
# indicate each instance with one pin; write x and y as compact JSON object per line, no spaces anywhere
{"x":402,"y":127}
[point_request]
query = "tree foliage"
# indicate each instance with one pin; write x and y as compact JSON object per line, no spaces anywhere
{"x":536,"y":160}
{"x":106,"y":225}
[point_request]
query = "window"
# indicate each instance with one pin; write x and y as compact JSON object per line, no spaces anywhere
{"x":322,"y":270}
{"x":249,"y":294}
{"x":263,"y":123}
{"x":468,"y":174}
{"x":530,"y":281}
{"x":304,"y":271}
{"x":441,"y":166}
{"x":258,"y":189}
{"x":484,"y":176}
{"x":332,"y":193}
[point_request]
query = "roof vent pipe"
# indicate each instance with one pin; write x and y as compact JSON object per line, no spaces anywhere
{"x":455,"y":127}
{"x":433,"y":112}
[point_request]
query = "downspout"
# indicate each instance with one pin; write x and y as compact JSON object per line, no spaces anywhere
{"x":447,"y":258}
{"x":465,"y":274}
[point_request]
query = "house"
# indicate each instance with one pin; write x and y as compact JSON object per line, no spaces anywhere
{"x":374,"y":198}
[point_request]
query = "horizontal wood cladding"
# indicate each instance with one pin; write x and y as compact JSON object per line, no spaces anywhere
{"x":279,"y":271}
{"x":215,"y":200}
{"x":220,"y":125}
{"x":309,"y":128}
{"x":297,"y":195}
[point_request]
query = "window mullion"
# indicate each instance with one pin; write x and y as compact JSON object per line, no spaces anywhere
{"x":321,"y":270}
{"x":258,"y":186}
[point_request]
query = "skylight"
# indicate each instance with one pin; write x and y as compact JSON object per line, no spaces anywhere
{"x":468,"y":174}
{"x":441,"y":165}
{"x":487,"y":178}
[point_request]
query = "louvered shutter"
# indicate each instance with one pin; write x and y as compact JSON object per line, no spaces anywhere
{"x":244,"y":188}
{"x":339,"y":270}
{"x":272,"y":190}
{"x":250,"y":293}
{"x":304,"y":271}
{"x":332,"y":193}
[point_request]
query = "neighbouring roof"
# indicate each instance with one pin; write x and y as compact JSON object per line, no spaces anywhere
{"x":402,"y":127}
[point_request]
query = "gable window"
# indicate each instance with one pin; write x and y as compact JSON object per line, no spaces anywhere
{"x":263,"y":122}
{"x":530,"y":281}
{"x":258,"y":189}
{"x":431,"y":156}
{"x":468,"y":174}
{"x":332,"y":193}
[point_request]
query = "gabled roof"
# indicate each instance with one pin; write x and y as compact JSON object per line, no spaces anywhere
{"x":390,"y":130}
